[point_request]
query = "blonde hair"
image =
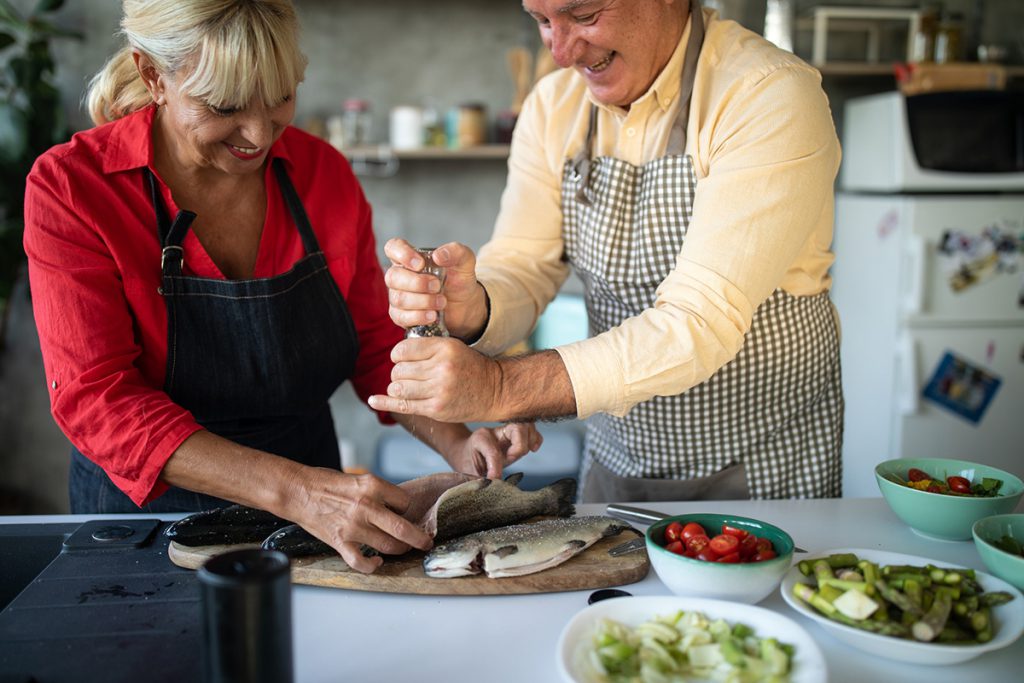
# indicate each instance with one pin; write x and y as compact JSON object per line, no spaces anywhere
{"x":233,"y":50}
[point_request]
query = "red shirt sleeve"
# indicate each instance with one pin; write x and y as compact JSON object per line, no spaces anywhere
{"x":88,"y":335}
{"x":94,"y":269}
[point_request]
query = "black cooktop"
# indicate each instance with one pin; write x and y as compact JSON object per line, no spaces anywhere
{"x":105,"y":605}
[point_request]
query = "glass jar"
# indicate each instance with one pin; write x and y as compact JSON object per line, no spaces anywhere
{"x":467,"y":126}
{"x":949,"y":39}
{"x":924,"y":40}
{"x":355,"y":122}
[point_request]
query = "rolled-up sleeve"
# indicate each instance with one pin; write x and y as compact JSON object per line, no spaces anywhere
{"x":98,"y":396}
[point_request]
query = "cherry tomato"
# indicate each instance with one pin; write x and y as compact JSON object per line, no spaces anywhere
{"x":673,"y":532}
{"x":697,"y":543}
{"x":731,"y":558}
{"x":914,"y":474}
{"x":693,"y":529}
{"x":724,"y":544}
{"x":734,"y":531}
{"x":707,"y":555}
{"x":748,"y":546}
{"x":689,"y":553}
{"x":934,"y":488}
{"x":958,"y":484}
{"x":676,"y":547}
{"x":763,"y":555}
{"x":764,"y":544}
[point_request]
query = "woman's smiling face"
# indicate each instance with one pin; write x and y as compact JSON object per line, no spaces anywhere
{"x":232,"y":140}
{"x":618,"y":46}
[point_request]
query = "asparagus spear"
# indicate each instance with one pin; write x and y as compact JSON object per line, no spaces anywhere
{"x":928,"y":627}
{"x":897,"y":598}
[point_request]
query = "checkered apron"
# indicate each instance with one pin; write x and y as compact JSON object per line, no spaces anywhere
{"x":774,"y":412}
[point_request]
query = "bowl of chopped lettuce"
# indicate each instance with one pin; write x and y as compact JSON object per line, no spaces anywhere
{"x":673,"y":638}
{"x":943,"y":498}
{"x":999,"y":540}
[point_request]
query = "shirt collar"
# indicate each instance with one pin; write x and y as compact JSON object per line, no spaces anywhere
{"x":665,"y":88}
{"x":130,"y":143}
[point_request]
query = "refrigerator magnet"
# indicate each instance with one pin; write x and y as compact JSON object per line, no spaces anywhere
{"x":962,"y":387}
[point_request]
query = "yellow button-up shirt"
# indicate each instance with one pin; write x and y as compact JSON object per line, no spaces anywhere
{"x":765,"y":154}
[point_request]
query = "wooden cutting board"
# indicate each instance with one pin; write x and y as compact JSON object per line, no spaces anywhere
{"x":593,"y":568}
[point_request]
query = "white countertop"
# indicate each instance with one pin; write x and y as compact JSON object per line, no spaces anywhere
{"x":345,"y":635}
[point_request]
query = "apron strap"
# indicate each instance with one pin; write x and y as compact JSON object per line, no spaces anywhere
{"x":677,"y":138}
{"x":581,"y":163}
{"x":295,"y":208}
{"x":171,"y":234}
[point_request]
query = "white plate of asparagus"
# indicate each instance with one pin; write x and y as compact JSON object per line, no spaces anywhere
{"x":905,"y":607}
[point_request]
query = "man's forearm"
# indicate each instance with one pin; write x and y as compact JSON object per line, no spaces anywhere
{"x":535,"y":387}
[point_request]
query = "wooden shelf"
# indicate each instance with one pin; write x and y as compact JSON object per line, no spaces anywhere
{"x":886,"y":69}
{"x":383,"y":153}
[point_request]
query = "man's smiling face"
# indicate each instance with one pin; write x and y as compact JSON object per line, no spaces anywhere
{"x":618,"y":46}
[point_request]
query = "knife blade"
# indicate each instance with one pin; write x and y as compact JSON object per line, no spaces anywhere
{"x":641,"y":516}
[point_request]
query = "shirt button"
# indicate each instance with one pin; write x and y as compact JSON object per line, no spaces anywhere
{"x":631,"y":132}
{"x":53,"y":384}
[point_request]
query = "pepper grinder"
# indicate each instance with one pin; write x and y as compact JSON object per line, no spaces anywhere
{"x":436,"y":328}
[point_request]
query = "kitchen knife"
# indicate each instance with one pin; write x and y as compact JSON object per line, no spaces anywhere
{"x":641,"y":516}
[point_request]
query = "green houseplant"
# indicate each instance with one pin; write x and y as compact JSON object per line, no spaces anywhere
{"x":31,"y":121}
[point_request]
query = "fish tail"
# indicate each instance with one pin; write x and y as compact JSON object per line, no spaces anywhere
{"x":564,"y":491}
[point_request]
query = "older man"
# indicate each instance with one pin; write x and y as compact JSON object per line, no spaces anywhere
{"x":683,"y":166}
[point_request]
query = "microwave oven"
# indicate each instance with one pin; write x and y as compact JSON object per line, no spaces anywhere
{"x":957,"y":141}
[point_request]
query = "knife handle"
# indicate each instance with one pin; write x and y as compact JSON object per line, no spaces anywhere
{"x":632,"y":514}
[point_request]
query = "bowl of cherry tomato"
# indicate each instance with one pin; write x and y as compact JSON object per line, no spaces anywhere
{"x":719,"y":556}
{"x":941,"y":498}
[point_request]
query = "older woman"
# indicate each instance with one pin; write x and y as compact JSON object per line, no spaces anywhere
{"x":204,"y":277}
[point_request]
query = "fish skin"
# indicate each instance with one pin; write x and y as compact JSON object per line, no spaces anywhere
{"x":230,"y":525}
{"x":489,"y":503}
{"x":519,"y":549}
{"x":446,"y":505}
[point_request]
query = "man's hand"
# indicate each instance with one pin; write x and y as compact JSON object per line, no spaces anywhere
{"x":442,"y":379}
{"x":415,"y":298}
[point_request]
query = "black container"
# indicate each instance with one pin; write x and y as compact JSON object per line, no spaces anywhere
{"x":247,"y":617}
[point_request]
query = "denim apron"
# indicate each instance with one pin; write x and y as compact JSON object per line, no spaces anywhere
{"x":766,"y":425}
{"x":254,"y":361}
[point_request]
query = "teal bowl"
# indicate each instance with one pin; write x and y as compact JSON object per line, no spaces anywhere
{"x":1005,"y":565}
{"x":748,"y":582}
{"x":941,"y":516}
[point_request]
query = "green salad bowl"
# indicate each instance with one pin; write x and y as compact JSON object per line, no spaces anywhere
{"x":990,"y":530}
{"x":939,"y":515}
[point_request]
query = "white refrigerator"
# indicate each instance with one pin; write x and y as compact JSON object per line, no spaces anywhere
{"x":929,"y":293}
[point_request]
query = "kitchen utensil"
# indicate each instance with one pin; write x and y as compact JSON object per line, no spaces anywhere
{"x":520,"y":67}
{"x":590,"y":570}
{"x":247,"y":617}
{"x":607,"y":594}
{"x":437,"y":328}
{"x":641,"y":516}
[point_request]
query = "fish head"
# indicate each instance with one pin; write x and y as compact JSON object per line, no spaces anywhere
{"x":446,"y":561}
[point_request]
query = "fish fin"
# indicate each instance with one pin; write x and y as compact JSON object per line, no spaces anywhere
{"x":514,"y":479}
{"x":506,"y":550}
{"x":616,"y":528}
{"x":565,"y":495}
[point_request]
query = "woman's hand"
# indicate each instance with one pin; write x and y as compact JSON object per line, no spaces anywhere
{"x":415,"y":297}
{"x":347,"y":511}
{"x":489,"y":449}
